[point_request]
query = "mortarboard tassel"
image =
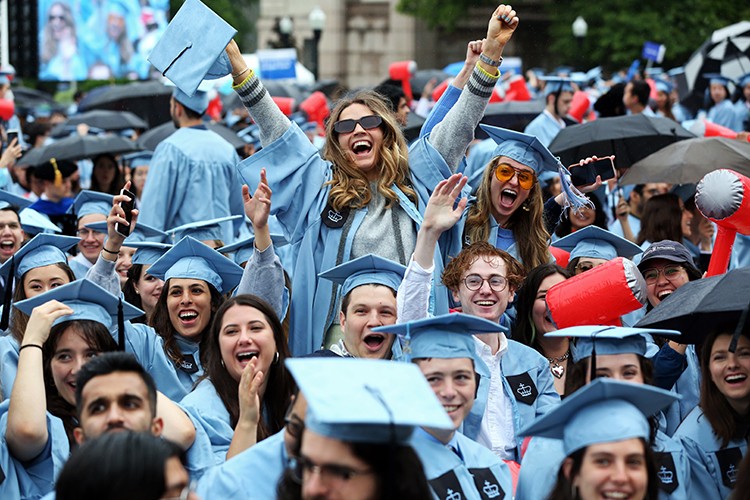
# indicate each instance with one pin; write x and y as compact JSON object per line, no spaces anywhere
{"x":8,"y":298}
{"x":592,"y":363}
{"x":120,"y":326}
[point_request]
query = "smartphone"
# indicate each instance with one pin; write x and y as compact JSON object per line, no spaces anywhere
{"x":127,"y":206}
{"x":581,"y":175}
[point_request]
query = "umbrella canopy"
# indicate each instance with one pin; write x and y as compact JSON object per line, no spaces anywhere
{"x":275,"y":89}
{"x":513,"y":115}
{"x":28,"y":100}
{"x":78,"y":147}
{"x":688,"y":161}
{"x":727,"y":52}
{"x":698,"y":307}
{"x":422,"y":76}
{"x":153,"y":137}
{"x":414,"y":124}
{"x":629,"y":138}
{"x":148,"y":100}
{"x":101,"y":119}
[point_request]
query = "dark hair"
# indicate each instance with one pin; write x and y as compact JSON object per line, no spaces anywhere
{"x":391,"y":94}
{"x":117,"y":182}
{"x":19,"y":319}
{"x":564,"y":227}
{"x":118,"y":466}
{"x":348,"y":297}
{"x":97,"y":337}
{"x":661,"y":219}
{"x":129,"y":293}
{"x":279,"y":383}
{"x":576,"y":377}
{"x":563,"y":489}
{"x":161,"y":323}
{"x":641,"y":90}
{"x":111,"y":362}
{"x":398,"y":470}
{"x":725,"y":421}
{"x":452,"y":273}
{"x":524,"y":329}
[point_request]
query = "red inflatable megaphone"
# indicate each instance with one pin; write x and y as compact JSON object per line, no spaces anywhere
{"x":517,"y":90}
{"x":562,"y":257}
{"x":579,"y":106}
{"x":705,"y":128}
{"x":599,"y":296}
{"x":403,"y":71}
{"x":316,"y":108}
{"x":723,"y":196}
{"x":285,"y":104}
{"x":438,"y":91}
{"x":7,"y":109}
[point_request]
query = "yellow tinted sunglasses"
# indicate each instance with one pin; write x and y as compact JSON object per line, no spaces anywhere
{"x":505,"y":172}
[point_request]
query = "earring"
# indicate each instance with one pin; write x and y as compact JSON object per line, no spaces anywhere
{"x":276,"y":358}
{"x":222,"y":364}
{"x":525,"y":207}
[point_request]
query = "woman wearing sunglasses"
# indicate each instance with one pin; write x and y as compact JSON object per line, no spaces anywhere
{"x":364,"y":193}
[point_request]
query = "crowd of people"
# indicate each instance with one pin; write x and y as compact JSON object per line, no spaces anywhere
{"x":359,"y":317}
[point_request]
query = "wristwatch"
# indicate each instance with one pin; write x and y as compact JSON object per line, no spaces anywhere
{"x":490,"y":62}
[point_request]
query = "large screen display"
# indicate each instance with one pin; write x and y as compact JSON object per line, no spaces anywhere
{"x":99,"y":39}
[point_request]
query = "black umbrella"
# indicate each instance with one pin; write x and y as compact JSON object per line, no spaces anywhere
{"x":699,"y":307}
{"x":78,"y":147}
{"x":422,"y":76}
{"x":629,"y":138}
{"x":148,"y":100}
{"x":101,"y":119}
{"x":28,"y":100}
{"x":513,"y":115}
{"x":414,"y":124}
{"x":153,"y":137}
{"x":275,"y":89}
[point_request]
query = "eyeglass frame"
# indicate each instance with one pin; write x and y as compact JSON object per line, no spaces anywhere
{"x":356,"y":122}
{"x":504,"y":286}
{"x":516,"y":173}
{"x":662,"y":271}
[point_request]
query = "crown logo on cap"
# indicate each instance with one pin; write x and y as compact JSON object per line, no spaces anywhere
{"x":491,"y":490}
{"x":453,"y":495}
{"x":665,"y":475}
{"x":732,"y":473}
{"x":524,"y":390}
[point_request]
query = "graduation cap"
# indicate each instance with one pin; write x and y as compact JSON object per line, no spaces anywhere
{"x":201,"y":230}
{"x":89,"y":301}
{"x":192,"y":48}
{"x":148,"y":252}
{"x":55,"y":170}
{"x":556,"y":84}
{"x":529,"y":151}
{"x":34,"y":223}
{"x":197,"y":102}
{"x":546,"y":177}
{"x":595,"y":242}
{"x":242,"y":250}
{"x":716,"y":78}
{"x":604,"y":411}
{"x":41,"y":250}
{"x":744,"y":81}
{"x":9,"y":200}
{"x":375,"y":401}
{"x":138,"y":159}
{"x":448,"y":336}
{"x":192,"y":259}
{"x":664,"y":86}
{"x":141,"y":232}
{"x":91,"y":202}
{"x":366,"y":270}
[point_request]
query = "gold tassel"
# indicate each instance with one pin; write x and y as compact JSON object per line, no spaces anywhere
{"x":58,"y":174}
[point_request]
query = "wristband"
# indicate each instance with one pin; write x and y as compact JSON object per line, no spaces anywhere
{"x":30,"y":345}
{"x":490,"y":62}
{"x":241,"y":72}
{"x":109,"y":251}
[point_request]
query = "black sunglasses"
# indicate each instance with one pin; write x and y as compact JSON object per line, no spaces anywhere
{"x":366,"y":122}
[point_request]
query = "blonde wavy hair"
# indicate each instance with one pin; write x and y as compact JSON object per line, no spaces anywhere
{"x":527,"y":224}
{"x":350,"y":187}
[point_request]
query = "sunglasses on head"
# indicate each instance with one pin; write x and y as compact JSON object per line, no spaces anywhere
{"x":505,"y":172}
{"x":366,"y":122}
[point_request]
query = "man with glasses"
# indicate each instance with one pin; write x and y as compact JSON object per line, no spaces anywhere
{"x":89,"y":207}
{"x":483,"y":280}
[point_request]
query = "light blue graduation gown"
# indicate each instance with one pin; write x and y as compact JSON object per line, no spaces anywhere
{"x":36,"y":478}
{"x":544,"y":127}
{"x":297,"y":174}
{"x":193,"y":178}
{"x":213,"y":432}
{"x":254,"y":473}
{"x":8,"y":364}
{"x":713,"y":468}
{"x":481,"y":474}
{"x":528,"y":384}
{"x":688,"y":386}
{"x":479,"y":157}
{"x":742,"y":111}
{"x":725,"y":114}
{"x":635,"y":226}
{"x":544,"y":456}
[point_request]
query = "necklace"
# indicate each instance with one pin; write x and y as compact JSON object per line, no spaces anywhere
{"x":555,"y":367}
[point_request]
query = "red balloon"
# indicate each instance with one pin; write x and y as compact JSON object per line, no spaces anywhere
{"x":7,"y":109}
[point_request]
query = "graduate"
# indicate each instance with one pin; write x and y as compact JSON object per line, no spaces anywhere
{"x":483,"y":280}
{"x":141,"y":288}
{"x":443,"y":349}
{"x":356,"y":440}
{"x":88,"y":207}
{"x":368,"y":290}
{"x":558,"y":96}
{"x":603,"y":433}
{"x":11,"y":227}
{"x":620,"y":354}
{"x":721,"y":111}
{"x":742,"y":106}
{"x":56,"y":199}
{"x":39,"y":266}
{"x":592,"y":246}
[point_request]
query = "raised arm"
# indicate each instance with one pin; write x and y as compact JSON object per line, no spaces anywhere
{"x":178,"y":427}
{"x":256,"y":99}
{"x":452,"y":136}
{"x":246,"y":431}
{"x":27,"y":434}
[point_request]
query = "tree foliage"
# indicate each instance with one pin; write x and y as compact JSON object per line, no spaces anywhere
{"x":616,"y":28}
{"x":229,"y":10}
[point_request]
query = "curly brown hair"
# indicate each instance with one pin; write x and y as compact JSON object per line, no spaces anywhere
{"x":526,"y":223}
{"x":349,"y":186}
{"x":453,"y":272}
